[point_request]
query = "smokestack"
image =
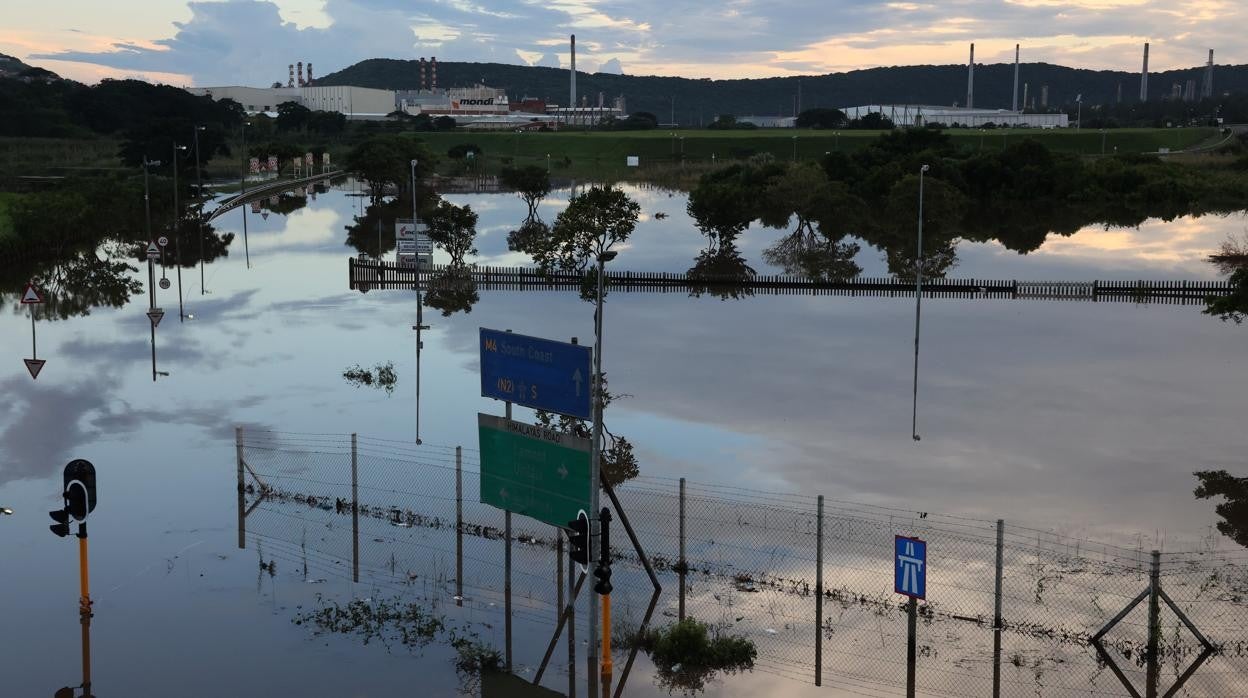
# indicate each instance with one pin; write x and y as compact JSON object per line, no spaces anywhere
{"x":1025,"y":86}
{"x":422,"y":84}
{"x":1207,"y":90}
{"x":290,"y":82}
{"x":300,"y":64}
{"x":970,"y":80}
{"x":1015,"y":108}
{"x":433,"y":72}
{"x":572,"y":95}
{"x":309,"y":73}
{"x":1144,"y":77}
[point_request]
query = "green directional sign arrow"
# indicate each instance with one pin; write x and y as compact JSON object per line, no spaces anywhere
{"x":533,"y":471}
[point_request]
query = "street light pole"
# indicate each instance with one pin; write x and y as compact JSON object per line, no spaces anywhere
{"x":918,"y":306}
{"x":243,"y":195}
{"x":177,"y":229}
{"x":151,"y":268}
{"x":420,"y":304}
{"x":595,"y":468}
{"x":199,"y":178}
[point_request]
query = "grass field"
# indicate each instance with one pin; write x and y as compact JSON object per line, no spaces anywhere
{"x":56,"y":156}
{"x":602,"y":152}
{"x":6,"y":223}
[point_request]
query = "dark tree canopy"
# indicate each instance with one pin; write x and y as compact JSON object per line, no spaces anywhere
{"x":1234,"y":506}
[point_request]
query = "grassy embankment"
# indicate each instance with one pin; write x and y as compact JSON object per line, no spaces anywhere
{"x":603,"y":154}
{"x":6,"y":223}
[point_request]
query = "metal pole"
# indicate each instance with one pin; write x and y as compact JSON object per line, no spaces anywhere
{"x":683,"y":563}
{"x":199,"y":178}
{"x":506,"y":572}
{"x":242,"y":195}
{"x":355,"y":511}
{"x":558,"y":572}
{"x":996,"y":617}
{"x":459,"y":525}
{"x":819,"y":594}
{"x":420,"y":304}
{"x":572,"y":631}
{"x":84,"y":607}
{"x":1154,"y":626}
{"x":918,"y":306}
{"x":177,"y":232}
{"x":33,"y":353}
{"x":912,"y":613}
{"x":595,"y":475}
{"x":242,"y":511}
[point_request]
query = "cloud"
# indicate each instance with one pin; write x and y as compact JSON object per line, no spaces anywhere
{"x":612,"y":66}
{"x":252,"y":41}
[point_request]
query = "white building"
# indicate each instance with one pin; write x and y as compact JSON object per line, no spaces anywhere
{"x":354,"y":102}
{"x":768,"y":121}
{"x":922,"y":115}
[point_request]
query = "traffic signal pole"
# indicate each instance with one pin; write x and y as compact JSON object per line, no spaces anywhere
{"x":84,"y":608}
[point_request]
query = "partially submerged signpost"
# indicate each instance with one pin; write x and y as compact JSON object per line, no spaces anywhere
{"x":32,"y":297}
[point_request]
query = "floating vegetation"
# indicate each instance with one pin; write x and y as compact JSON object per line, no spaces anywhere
{"x":688,"y":653}
{"x":380,"y":376}
{"x":409,"y":624}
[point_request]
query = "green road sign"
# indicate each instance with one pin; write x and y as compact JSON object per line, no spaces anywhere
{"x":533,"y":471}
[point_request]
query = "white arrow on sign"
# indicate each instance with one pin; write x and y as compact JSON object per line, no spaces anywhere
{"x":34,"y":366}
{"x":563,"y":472}
{"x":155,"y":315}
{"x":577,"y":378}
{"x":503,"y":493}
{"x":153,"y":252}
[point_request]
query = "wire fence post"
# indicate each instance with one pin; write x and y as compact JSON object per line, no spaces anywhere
{"x":459,"y":525}
{"x":996,"y":615}
{"x":1154,"y":625}
{"x":684,"y":566}
{"x":558,"y":572}
{"x":572,"y":630}
{"x":819,"y":595}
{"x":355,"y":510}
{"x":242,"y":502}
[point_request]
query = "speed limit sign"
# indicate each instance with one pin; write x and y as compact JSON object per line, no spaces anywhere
{"x":164,"y":283}
{"x":162,"y":241}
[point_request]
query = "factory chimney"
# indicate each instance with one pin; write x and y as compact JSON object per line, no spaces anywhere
{"x":1025,"y":86}
{"x":300,"y":64}
{"x":1208,"y":86}
{"x":309,"y":73}
{"x":433,"y":72}
{"x":572,"y":94}
{"x":970,"y":80}
{"x":1144,"y":77}
{"x":422,"y":84}
{"x":1015,"y":105}
{"x":290,"y":82}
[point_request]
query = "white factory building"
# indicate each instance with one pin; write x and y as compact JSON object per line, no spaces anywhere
{"x":354,"y":102}
{"x":923,"y":115}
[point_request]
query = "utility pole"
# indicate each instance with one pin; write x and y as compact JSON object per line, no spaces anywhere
{"x":177,"y":229}
{"x":420,"y":305}
{"x":918,"y":306}
{"x":243,"y":195}
{"x":199,"y":178}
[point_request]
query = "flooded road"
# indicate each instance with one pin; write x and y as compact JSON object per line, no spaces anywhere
{"x":1080,"y":418}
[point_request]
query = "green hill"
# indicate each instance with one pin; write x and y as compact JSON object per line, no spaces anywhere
{"x":700,"y":100}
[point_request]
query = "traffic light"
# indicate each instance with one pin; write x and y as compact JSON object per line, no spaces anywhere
{"x":603,"y":570}
{"x":79,"y":492}
{"x":61,"y":527}
{"x":578,"y":538}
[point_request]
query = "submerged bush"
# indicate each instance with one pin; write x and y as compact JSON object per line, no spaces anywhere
{"x":688,"y":653}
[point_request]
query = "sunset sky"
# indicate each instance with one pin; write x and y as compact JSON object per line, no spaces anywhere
{"x":252,"y":41}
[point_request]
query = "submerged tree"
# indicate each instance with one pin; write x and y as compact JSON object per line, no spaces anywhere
{"x":1231,"y":259}
{"x":721,"y":272}
{"x":1234,"y":507}
{"x":825,"y":213}
{"x":454,"y":229}
{"x":590,"y":226}
{"x":531,"y":183}
{"x":618,"y":462}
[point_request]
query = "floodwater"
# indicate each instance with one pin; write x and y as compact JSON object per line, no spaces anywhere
{"x":1082,"y":418}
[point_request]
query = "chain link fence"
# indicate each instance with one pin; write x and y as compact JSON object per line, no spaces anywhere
{"x":1009,"y":611}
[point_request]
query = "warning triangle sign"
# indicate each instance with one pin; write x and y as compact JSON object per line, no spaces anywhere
{"x":153,"y":252}
{"x":155,"y":315}
{"x":31,"y":295}
{"x":35,"y":366}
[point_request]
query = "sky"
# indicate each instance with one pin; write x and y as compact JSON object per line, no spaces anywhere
{"x":251,"y":42}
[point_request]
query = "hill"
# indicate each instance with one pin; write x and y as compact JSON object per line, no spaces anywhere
{"x":11,"y":67}
{"x":691,"y":101}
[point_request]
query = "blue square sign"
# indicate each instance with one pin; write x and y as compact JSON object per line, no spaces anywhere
{"x":910,"y":567}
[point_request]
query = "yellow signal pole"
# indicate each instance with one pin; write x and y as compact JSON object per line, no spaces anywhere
{"x":84,"y":609}
{"x":607,"y":665}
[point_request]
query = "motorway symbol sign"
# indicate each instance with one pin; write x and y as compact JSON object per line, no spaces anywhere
{"x":910,"y":567}
{"x":153,"y":252}
{"x":31,"y":295}
{"x":535,"y":372}
{"x":162,"y":241}
{"x":155,"y":315}
{"x":34,"y":366}
{"x":164,"y":283}
{"x":533,"y":471}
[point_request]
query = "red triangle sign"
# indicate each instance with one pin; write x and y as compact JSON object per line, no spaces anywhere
{"x":34,"y":366}
{"x":31,"y":295}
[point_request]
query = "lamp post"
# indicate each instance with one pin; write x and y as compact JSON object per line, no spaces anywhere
{"x":420,"y":306}
{"x":177,"y":229}
{"x":1079,"y":112}
{"x":547,"y":163}
{"x":243,"y":195}
{"x":836,"y":140}
{"x":794,"y":148}
{"x":1102,"y":141}
{"x":918,"y":305}
{"x":199,"y":179}
{"x":595,"y":461}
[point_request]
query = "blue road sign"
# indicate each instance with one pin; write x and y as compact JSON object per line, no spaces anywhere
{"x":537,"y":373}
{"x":910,"y":567}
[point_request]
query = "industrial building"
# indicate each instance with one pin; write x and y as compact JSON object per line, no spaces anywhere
{"x":925,"y":115}
{"x":354,"y":102}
